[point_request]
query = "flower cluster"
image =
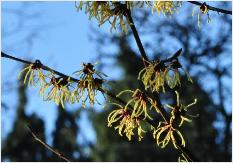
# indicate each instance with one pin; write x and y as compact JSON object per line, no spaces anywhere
{"x":88,"y":83}
{"x":127,"y":123}
{"x":134,"y":111}
{"x":169,"y":131}
{"x":33,"y":71}
{"x":172,"y":74}
{"x":152,"y":76}
{"x":166,"y":132}
{"x":140,"y":102}
{"x":103,"y":11}
{"x":179,"y":110}
{"x":157,"y":73}
{"x":116,"y":11}
{"x":58,"y":90}
{"x":166,"y":7}
{"x":61,"y":89}
{"x":98,"y":9}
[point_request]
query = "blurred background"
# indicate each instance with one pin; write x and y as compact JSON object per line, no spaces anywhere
{"x":62,"y":38}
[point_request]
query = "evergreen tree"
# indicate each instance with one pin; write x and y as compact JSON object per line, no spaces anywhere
{"x":65,"y":136}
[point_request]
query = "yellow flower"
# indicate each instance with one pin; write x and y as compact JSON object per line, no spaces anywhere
{"x":127,"y":123}
{"x":88,"y":71}
{"x":140,"y":102}
{"x":34,"y":74}
{"x":152,"y":76}
{"x":172,"y":74}
{"x":59,"y":91}
{"x":139,"y":4}
{"x":179,"y":110}
{"x":156,"y":73}
{"x":98,"y":9}
{"x":103,"y":11}
{"x":166,"y":7}
{"x":166,"y":132}
{"x":88,"y":85}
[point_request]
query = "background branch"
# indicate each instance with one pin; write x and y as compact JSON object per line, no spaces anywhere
{"x":47,"y":146}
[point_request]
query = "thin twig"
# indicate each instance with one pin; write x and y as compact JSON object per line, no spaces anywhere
{"x":174,"y":56}
{"x":44,"y":67}
{"x":212,"y":8}
{"x":48,"y":146}
{"x":14,"y":58}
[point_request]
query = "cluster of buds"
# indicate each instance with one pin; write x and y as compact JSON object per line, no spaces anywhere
{"x":127,"y":123}
{"x":62,"y":89}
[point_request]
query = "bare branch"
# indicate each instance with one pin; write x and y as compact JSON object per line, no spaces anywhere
{"x":136,"y":36}
{"x":42,"y":66}
{"x":48,"y":146}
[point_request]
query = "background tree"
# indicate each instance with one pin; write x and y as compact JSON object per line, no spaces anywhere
{"x":66,"y":134}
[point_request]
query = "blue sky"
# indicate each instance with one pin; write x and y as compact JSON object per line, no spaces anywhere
{"x":56,"y":34}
